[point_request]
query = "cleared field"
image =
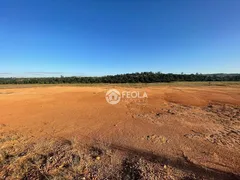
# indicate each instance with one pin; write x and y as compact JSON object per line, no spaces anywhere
{"x":184,"y":130}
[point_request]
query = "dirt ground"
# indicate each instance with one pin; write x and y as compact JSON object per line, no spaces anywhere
{"x":188,"y":129}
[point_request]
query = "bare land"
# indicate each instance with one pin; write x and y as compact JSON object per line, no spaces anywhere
{"x":182,"y":131}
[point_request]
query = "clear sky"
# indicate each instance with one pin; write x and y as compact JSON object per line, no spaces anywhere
{"x":100,"y":37}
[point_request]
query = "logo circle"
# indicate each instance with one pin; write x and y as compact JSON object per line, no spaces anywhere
{"x":113,"y":96}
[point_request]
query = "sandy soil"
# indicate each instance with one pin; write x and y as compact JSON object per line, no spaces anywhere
{"x":200,"y":125}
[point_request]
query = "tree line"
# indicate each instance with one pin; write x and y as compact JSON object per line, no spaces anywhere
{"x":144,"y":77}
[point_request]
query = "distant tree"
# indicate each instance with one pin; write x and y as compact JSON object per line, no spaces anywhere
{"x":144,"y":77}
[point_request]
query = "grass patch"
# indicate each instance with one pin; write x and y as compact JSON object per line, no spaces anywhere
{"x":59,"y":158}
{"x":136,"y":85}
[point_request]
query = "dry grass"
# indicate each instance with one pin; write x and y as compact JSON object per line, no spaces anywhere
{"x":53,"y":158}
{"x":135,"y":85}
{"x":57,"y":158}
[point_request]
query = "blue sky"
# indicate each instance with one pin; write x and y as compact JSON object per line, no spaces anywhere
{"x":94,"y":38}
